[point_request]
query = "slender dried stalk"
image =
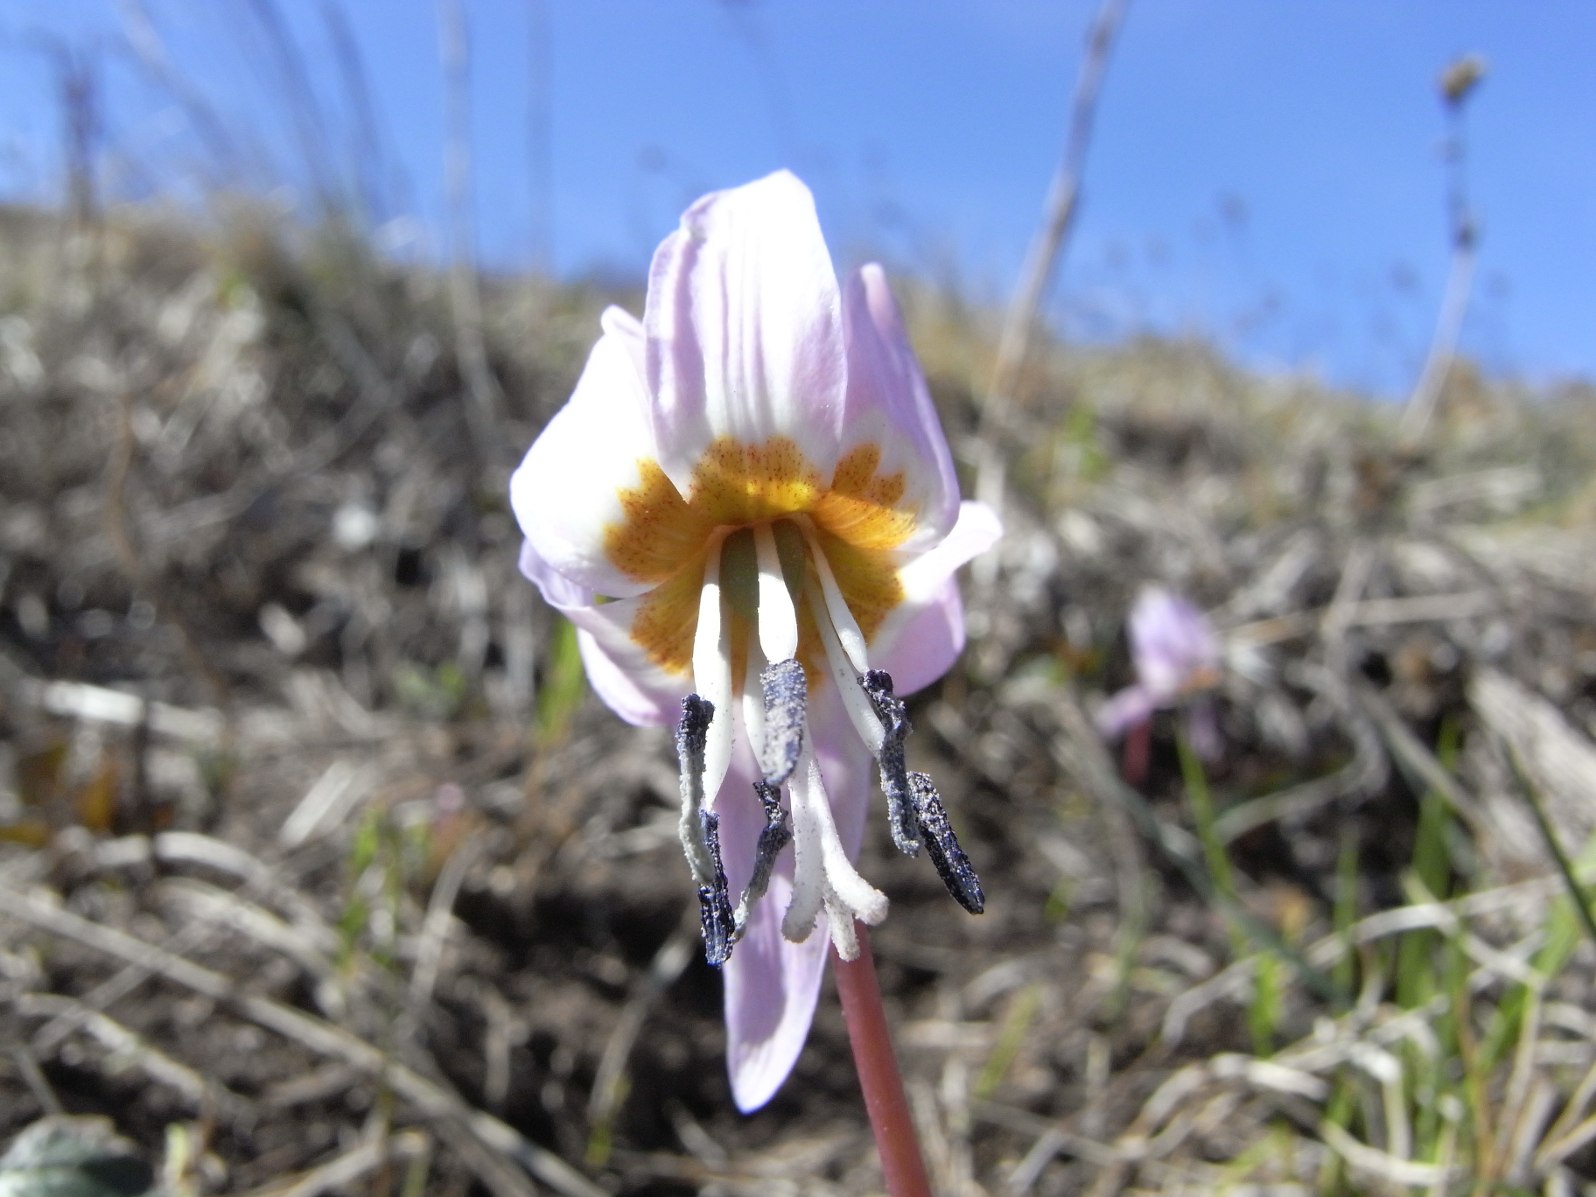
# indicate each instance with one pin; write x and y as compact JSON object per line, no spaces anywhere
{"x":1041,"y":260}
{"x":1059,"y":212}
{"x":1456,"y":86}
{"x":483,"y":410}
{"x":902,"y":1165}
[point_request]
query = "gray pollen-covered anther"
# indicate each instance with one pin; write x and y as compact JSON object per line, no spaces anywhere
{"x":786,"y":694}
{"x":894,"y":716}
{"x":952,"y":865}
{"x":714,"y":902}
{"x":776,"y":835}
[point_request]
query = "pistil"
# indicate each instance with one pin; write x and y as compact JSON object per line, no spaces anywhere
{"x":823,"y":876}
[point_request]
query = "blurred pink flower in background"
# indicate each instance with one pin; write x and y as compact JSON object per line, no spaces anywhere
{"x":1177,"y":658}
{"x":748,"y":510}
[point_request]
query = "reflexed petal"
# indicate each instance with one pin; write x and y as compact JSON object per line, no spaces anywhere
{"x":567,"y":490}
{"x":919,"y":639}
{"x":1132,"y":706}
{"x":744,"y":327}
{"x":888,"y":405}
{"x":920,"y":645}
{"x":772,"y":985}
{"x":629,"y":683}
{"x":977,"y":530}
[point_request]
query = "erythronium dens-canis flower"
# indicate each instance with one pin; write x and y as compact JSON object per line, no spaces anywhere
{"x":748,"y":510}
{"x":1177,"y":656}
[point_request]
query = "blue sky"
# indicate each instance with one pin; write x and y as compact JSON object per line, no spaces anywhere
{"x":1265,"y":173}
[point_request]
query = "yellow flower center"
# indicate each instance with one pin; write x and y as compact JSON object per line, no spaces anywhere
{"x":663,"y":539}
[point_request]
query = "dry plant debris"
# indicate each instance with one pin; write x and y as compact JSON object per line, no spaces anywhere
{"x":321,"y":874}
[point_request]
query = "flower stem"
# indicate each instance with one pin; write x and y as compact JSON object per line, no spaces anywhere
{"x":902,"y":1166}
{"x":1138,"y":744}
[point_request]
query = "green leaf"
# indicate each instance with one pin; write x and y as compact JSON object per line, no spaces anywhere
{"x":73,"y":1157}
{"x":564,"y":685}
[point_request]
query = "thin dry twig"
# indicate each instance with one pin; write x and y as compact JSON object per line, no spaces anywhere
{"x":1058,"y":212}
{"x":203,"y":1093}
{"x":366,"y":1156}
{"x":672,"y":958}
{"x":1420,"y":410}
{"x":486,"y":400}
{"x":429,"y":1097}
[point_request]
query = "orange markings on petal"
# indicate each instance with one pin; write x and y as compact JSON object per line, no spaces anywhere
{"x":862,"y":507}
{"x":737,"y":485}
{"x":659,"y":531}
{"x":811,"y":652}
{"x":662,"y":537}
{"x":667,"y":617}
{"x":868,"y":579}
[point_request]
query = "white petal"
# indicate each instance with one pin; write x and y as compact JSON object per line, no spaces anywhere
{"x":744,"y":327}
{"x":630,"y":684}
{"x":976,"y":530}
{"x":567,"y":490}
{"x":889,"y":405}
{"x":919,"y":640}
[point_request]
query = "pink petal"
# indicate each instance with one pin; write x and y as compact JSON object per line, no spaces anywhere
{"x":772,"y":988}
{"x":631,"y":685}
{"x":1171,"y":641}
{"x":773,"y":985}
{"x":567,"y":488}
{"x":920,"y":638}
{"x":744,"y":327}
{"x":1132,"y":706}
{"x":889,"y":405}
{"x":927,"y":642}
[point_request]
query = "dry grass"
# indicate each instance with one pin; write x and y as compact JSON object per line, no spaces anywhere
{"x":326,"y":876}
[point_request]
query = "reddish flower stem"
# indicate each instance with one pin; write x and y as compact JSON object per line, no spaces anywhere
{"x":1138,"y":743}
{"x":902,"y":1166}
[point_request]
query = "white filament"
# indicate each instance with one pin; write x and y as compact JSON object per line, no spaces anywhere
{"x":778,"y":619}
{"x":712,"y":675}
{"x":752,"y":701}
{"x":861,"y":712}
{"x":848,"y":633}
